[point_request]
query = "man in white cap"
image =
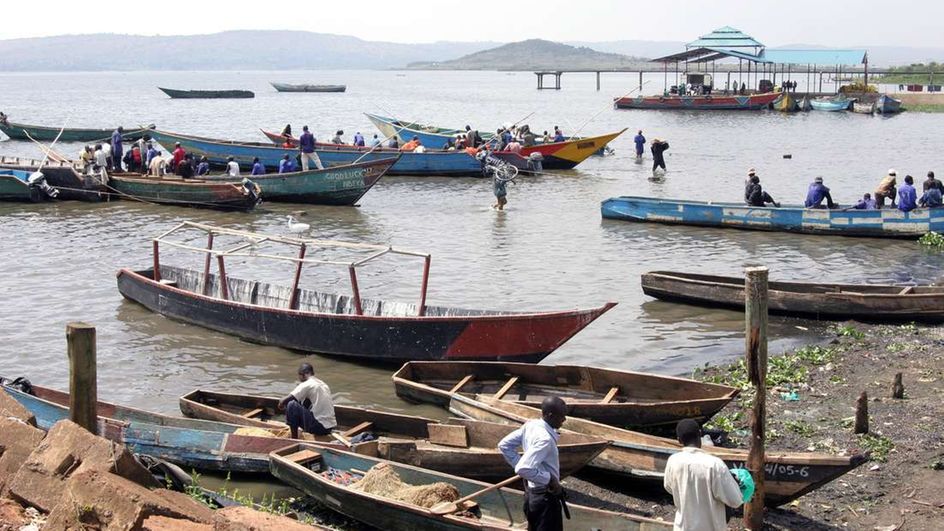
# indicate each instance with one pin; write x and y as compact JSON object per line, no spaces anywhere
{"x":886,"y":189}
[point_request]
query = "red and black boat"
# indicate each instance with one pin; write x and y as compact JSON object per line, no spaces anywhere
{"x":334,"y":324}
{"x":724,"y":102}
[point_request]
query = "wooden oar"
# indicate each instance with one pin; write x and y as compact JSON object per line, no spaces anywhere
{"x":445,"y":508}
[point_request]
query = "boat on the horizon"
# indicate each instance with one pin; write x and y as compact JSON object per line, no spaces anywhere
{"x":288,"y":87}
{"x":712,"y":102}
{"x":207,"y":94}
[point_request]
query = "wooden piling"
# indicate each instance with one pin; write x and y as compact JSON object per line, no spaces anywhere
{"x":755,"y":321}
{"x":83,"y":386}
{"x":862,"y":414}
{"x":898,"y":388}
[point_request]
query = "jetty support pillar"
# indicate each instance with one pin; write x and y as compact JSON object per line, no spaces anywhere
{"x":83,"y":377}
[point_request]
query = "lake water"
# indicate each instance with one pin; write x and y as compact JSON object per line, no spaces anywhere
{"x":548,"y":250}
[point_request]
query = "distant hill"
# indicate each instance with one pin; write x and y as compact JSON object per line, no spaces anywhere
{"x":533,"y":54}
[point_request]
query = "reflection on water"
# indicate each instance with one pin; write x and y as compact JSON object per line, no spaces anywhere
{"x":548,"y":250}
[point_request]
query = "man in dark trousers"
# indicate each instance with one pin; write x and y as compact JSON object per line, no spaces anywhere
{"x":657,"y":148}
{"x":539,"y":465}
{"x":309,"y":406}
{"x":116,"y":148}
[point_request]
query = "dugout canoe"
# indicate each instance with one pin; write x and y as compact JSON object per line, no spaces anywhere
{"x":881,"y":223}
{"x":564,"y":155}
{"x":336,"y":324}
{"x":430,"y":163}
{"x":336,"y":185}
{"x":288,"y":87}
{"x":710,"y":102}
{"x":326,"y":475}
{"x":64,"y":176}
{"x":864,"y":302}
{"x":642,"y":458}
{"x":177,"y":191}
{"x":18,"y":131}
{"x":609,"y":396}
{"x":207,"y":94}
{"x":887,"y":105}
{"x":461,"y":447}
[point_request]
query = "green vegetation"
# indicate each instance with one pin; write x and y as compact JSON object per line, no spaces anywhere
{"x":849,"y":331}
{"x":932,"y":239}
{"x":878,"y":446}
{"x":916,"y":73}
{"x":788,"y":369}
{"x":801,"y":428}
{"x":728,"y":422}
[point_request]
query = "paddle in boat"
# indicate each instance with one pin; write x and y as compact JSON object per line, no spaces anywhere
{"x":207,"y":94}
{"x":882,"y":223}
{"x":462,"y":447}
{"x":618,"y":398}
{"x":734,"y":102}
{"x":642,"y":458}
{"x":865,"y":302}
{"x":288,"y":87}
{"x":398,"y":497}
{"x":334,"y":324}
{"x":18,"y":131}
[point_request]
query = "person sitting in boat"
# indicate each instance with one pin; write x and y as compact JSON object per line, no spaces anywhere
{"x":158,"y":165}
{"x":886,"y":189}
{"x":287,"y":131}
{"x":514,"y":146}
{"x":257,"y":167}
{"x":907,"y":195}
{"x":179,"y":155}
{"x":816,"y":193}
{"x":337,"y":137}
{"x":931,"y":198}
{"x":374,"y":142}
{"x":185,"y":167}
{"x":558,"y":134}
{"x":527,"y":138}
{"x":546,"y":139}
{"x":393,"y":143}
{"x":309,"y":406}
{"x":412,"y":144}
{"x":287,"y":164}
{"x":460,"y":142}
{"x":359,"y":139}
{"x":866,"y":203}
{"x":232,"y":167}
{"x":931,"y":182}
{"x":203,"y":168}
{"x":755,"y":195}
{"x":149,"y":155}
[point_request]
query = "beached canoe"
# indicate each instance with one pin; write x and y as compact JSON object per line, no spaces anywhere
{"x":882,"y":223}
{"x":461,"y":447}
{"x":207,"y":94}
{"x":429,"y":163}
{"x":18,"y":131}
{"x":327,"y":475}
{"x":61,"y":175}
{"x":564,"y":155}
{"x":641,"y":457}
{"x":176,"y":191}
{"x":887,"y":105}
{"x":734,"y":102}
{"x":288,"y":87}
{"x":336,"y":324}
{"x":866,"y":302}
{"x":618,"y":398}
{"x":785,"y":103}
{"x":336,"y":185}
{"x":805,"y":105}
{"x":830,"y":104}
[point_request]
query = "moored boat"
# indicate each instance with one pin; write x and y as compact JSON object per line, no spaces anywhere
{"x":330,"y":477}
{"x":721,"y":102}
{"x":887,"y":105}
{"x":64,"y":176}
{"x":207,"y":94}
{"x":867,"y":302}
{"x":335,"y":324}
{"x":642,"y":458}
{"x":618,"y":398}
{"x":830,"y":104}
{"x":462,"y":447}
{"x":289,"y":87}
{"x":863,"y":108}
{"x":883,"y":223}
{"x":805,"y":105}
{"x":176,"y":191}
{"x":15,"y":186}
{"x":785,"y":103}
{"x":18,"y":131}
{"x":336,"y":185}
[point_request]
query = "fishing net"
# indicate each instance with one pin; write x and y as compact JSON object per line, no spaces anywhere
{"x":383,"y":480}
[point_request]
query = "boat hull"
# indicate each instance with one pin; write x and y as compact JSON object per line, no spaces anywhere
{"x":699,"y":103}
{"x":182,"y":192}
{"x":887,"y":105}
{"x":286,"y":87}
{"x":513,"y":337}
{"x":829,"y":105}
{"x":207,"y":94}
{"x":785,"y":103}
{"x":642,"y":458}
{"x":72,"y":185}
{"x":18,"y":131}
{"x":14,"y":188}
{"x":883,"y":223}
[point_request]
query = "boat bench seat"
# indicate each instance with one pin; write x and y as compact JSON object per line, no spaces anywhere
{"x":360,"y":428}
{"x":303,"y":456}
{"x":253,"y":413}
{"x":448,"y":435}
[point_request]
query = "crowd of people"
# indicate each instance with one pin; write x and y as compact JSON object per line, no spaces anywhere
{"x":904,"y":197}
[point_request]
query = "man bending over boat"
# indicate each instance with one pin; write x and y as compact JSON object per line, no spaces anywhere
{"x":886,"y":189}
{"x":539,"y":465}
{"x":309,"y":406}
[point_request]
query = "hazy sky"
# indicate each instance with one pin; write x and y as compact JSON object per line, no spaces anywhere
{"x":826,"y":22}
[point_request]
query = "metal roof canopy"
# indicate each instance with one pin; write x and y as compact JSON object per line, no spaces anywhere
{"x":726,"y":37}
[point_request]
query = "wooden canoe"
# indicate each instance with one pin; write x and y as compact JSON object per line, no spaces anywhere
{"x":710,"y":102}
{"x":207,"y":94}
{"x":42,"y":133}
{"x":63,"y":176}
{"x":887,"y":105}
{"x":614,"y":397}
{"x":461,"y":447}
{"x":15,"y":187}
{"x":289,"y":87}
{"x":641,"y":457}
{"x":866,"y":302}
{"x":176,"y":191}
{"x":326,"y":474}
{"x":863,"y":108}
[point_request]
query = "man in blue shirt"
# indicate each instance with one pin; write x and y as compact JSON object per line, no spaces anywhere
{"x":116,"y":147}
{"x":640,"y":142}
{"x":287,"y":165}
{"x":907,"y":195}
{"x":866,"y":203}
{"x":358,"y":139}
{"x":558,"y":134}
{"x":816,"y":193}
{"x":203,"y":168}
{"x":306,"y":144}
{"x":257,"y":167}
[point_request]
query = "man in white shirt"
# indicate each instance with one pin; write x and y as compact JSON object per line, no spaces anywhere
{"x":309,"y":405}
{"x":232,"y":167}
{"x":700,"y":484}
{"x":539,"y":465}
{"x":158,"y":165}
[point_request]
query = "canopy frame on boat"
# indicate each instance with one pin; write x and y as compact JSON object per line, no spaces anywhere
{"x":253,"y":239}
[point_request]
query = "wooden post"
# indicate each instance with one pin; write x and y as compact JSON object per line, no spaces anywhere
{"x":898,"y":388}
{"x":598,"y":81}
{"x":862,"y":414}
{"x":224,"y":287}
{"x":755,"y":320}
{"x":157,"y":263}
{"x":640,"y":82}
{"x":293,"y":299}
{"x":357,"y":292}
{"x":206,"y":265}
{"x":83,"y":386}
{"x":426,"y":261}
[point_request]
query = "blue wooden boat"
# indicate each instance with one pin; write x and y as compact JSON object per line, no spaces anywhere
{"x":441,"y":163}
{"x":884,"y":223}
{"x":887,"y":105}
{"x":830,"y":104}
{"x":15,"y":186}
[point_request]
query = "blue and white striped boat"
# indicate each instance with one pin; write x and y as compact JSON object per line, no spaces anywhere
{"x":885,"y":223}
